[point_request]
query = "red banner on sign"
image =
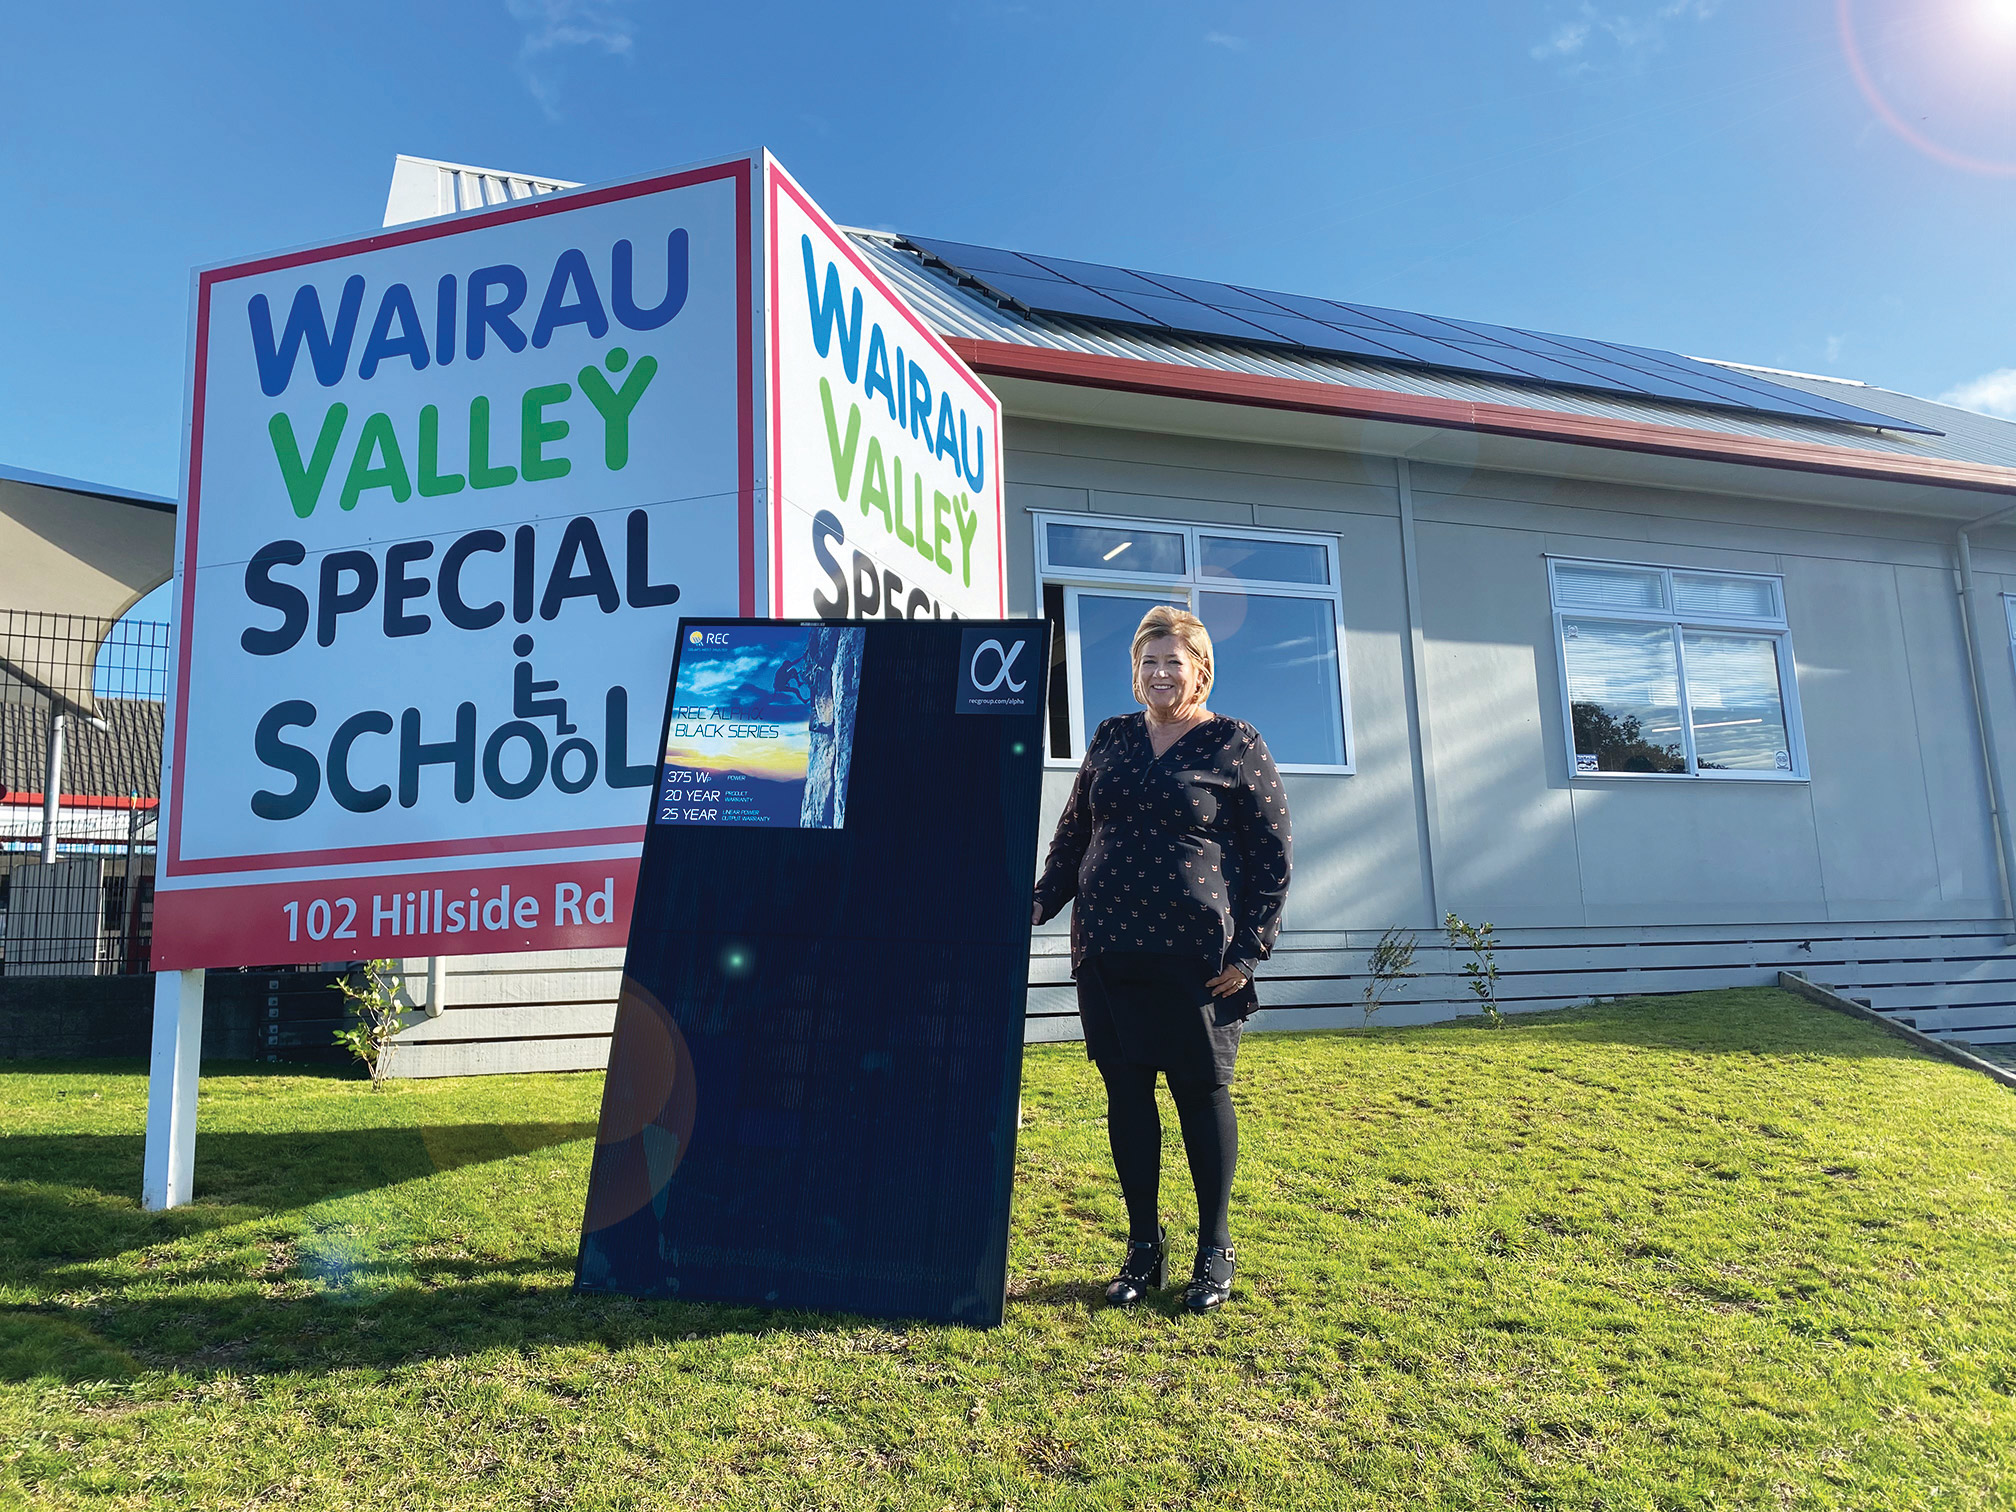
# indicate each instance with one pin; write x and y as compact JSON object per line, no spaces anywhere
{"x":571,"y":905}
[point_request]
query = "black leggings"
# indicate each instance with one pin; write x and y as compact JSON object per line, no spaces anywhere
{"x":1210,"y":1139}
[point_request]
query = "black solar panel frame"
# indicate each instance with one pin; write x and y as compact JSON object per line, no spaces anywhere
{"x":1094,"y":276}
{"x":1222,"y":295}
{"x":1441,"y":354}
{"x":1072,"y":299}
{"x":1178,"y":314}
{"x":1329,"y":312}
{"x":1401,"y":320}
{"x":1737,"y":379}
{"x":959,"y":256}
{"x":1693,"y":383}
{"x":1098,"y":292}
{"x":1298,"y":331}
{"x":1737,"y":386}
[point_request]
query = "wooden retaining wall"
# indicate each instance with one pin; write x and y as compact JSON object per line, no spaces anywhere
{"x":1953,"y":978}
{"x":540,"y":1011}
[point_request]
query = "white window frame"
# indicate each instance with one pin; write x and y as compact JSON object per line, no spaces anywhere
{"x":1077,"y":580}
{"x":1775,"y":626}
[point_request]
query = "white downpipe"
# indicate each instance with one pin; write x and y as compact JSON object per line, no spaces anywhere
{"x":52,"y":784}
{"x":1977,"y":676}
{"x":1414,"y":662}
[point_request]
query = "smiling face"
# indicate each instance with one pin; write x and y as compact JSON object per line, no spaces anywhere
{"x":1167,"y":678}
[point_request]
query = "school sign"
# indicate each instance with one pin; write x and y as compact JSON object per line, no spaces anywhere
{"x":449,"y":489}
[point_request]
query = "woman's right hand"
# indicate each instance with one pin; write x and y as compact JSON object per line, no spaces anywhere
{"x":1036,"y":914}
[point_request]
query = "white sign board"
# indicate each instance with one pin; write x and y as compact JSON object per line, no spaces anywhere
{"x":886,"y":456}
{"x":449,"y":488}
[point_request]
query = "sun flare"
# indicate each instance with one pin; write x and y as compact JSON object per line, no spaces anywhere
{"x":1969,"y":48}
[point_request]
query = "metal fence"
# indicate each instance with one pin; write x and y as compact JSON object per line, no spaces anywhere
{"x":80,"y":768}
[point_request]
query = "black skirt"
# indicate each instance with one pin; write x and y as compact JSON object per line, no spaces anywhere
{"x":1154,"y":1010}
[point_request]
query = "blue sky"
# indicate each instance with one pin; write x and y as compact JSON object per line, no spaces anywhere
{"x":1710,"y":176}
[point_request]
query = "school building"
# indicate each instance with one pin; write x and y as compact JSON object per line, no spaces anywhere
{"x":1678,"y":672}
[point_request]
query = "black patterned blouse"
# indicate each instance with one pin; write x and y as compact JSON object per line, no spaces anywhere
{"x":1186,"y":853}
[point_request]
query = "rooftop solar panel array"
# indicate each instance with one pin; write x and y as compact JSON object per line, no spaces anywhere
{"x":1199,"y":307}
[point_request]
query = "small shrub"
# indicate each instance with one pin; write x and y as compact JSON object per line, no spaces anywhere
{"x":375,"y":1001}
{"x":1481,"y":970}
{"x":1392,"y":961}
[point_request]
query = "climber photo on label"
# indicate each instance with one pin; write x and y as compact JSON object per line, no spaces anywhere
{"x":761,"y":726}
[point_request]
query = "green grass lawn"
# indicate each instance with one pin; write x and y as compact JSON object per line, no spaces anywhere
{"x":1716,"y":1251}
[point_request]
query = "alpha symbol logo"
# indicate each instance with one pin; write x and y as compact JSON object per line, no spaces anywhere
{"x":1006,"y":656}
{"x":997,"y":678}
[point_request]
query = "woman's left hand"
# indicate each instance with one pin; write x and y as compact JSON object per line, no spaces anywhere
{"x":1227,"y":982}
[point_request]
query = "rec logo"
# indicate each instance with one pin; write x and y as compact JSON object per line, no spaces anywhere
{"x":999,"y":671}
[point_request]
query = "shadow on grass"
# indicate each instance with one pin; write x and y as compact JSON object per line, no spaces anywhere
{"x":1081,"y":1294}
{"x":298,"y":1301}
{"x":68,"y":1200}
{"x":274,"y":1172}
{"x":1089,"y":1296}
{"x":384,"y":1317}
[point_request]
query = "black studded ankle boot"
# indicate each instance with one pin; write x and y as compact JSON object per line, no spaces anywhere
{"x":1145,"y":1268}
{"x":1211,"y":1279}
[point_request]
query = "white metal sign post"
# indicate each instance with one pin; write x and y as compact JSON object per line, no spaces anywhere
{"x":448,"y":489}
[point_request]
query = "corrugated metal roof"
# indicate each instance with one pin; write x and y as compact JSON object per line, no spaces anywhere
{"x":962,"y":311}
{"x":1970,"y":436}
{"x":1163,"y":302}
{"x":427,"y":186}
{"x":78,"y":485}
{"x":123,"y":760}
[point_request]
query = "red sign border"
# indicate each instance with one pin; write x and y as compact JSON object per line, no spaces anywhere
{"x":738,"y":171}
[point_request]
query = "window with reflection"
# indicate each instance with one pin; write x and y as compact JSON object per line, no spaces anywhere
{"x":1676,"y":672}
{"x":1624,"y":693}
{"x":1270,"y":600}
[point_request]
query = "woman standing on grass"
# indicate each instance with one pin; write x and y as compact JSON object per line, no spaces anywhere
{"x":1175,"y":844}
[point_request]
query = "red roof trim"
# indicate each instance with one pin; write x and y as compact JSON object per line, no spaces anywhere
{"x":1179,"y":381}
{"x":79,"y":801}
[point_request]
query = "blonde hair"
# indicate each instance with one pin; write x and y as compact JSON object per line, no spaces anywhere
{"x":1168,"y":620}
